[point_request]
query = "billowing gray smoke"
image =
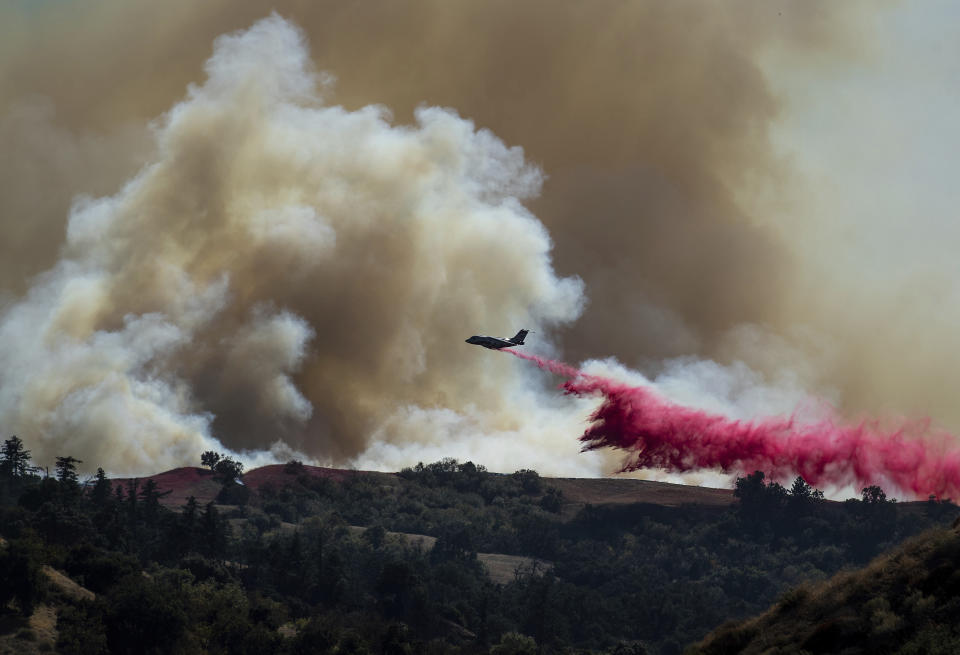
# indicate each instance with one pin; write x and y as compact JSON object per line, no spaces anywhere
{"x":282,"y":271}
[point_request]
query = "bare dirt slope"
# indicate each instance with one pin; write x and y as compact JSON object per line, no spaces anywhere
{"x":181,"y":483}
{"x":621,"y":491}
{"x":200,"y":483}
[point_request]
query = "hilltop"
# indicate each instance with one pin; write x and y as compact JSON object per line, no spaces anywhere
{"x":202,"y":484}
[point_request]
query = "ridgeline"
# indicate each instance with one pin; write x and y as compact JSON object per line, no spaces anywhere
{"x":439,"y":558}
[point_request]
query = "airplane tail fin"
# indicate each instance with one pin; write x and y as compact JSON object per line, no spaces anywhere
{"x":520,"y":336}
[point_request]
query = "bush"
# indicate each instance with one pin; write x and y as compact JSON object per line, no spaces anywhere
{"x":514,"y":643}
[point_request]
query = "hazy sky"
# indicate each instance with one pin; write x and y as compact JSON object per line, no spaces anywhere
{"x":749,"y":203}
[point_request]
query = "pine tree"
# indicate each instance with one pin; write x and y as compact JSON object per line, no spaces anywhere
{"x":14,"y":460}
{"x":186,"y":530}
{"x":150,"y":498}
{"x":100,"y":493}
{"x":214,"y":532}
{"x":67,"y":470}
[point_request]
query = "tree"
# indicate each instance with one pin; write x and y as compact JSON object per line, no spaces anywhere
{"x":800,"y":489}
{"x":67,"y":470}
{"x":143,"y":617}
{"x":213,"y":531}
{"x":151,"y":500}
{"x":873,"y":495}
{"x":185,"y":532}
{"x":750,"y":492}
{"x":210,"y":459}
{"x":552,"y":500}
{"x":20,"y":578}
{"x":100,"y":493}
{"x":14,"y":460}
{"x":80,"y":630}
{"x":529,"y":480}
{"x":228,"y":470}
{"x":454,"y":543}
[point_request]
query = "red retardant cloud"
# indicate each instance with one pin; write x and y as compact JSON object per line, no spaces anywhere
{"x":658,"y":433}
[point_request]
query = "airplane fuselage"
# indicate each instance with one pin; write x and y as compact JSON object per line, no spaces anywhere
{"x":493,"y":343}
{"x":496,"y":343}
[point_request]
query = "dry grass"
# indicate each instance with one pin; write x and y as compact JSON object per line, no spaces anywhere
{"x":502,"y":568}
{"x":850,"y":608}
{"x":200,"y":483}
{"x":622,"y":491}
{"x":69,"y":588}
{"x":38,"y":634}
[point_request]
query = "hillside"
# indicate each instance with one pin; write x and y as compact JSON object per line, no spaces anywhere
{"x":201,"y":483}
{"x":906,"y":602}
{"x":438,"y":558}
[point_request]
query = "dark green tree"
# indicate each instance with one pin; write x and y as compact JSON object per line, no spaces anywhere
{"x":213,"y":530}
{"x":67,"y":470}
{"x":800,"y":489}
{"x":150,"y":501}
{"x":455,"y":542}
{"x":20,"y":578}
{"x":141,"y":616}
{"x":529,"y":481}
{"x":14,"y":459}
{"x":228,"y":470}
{"x":100,"y":494}
{"x":873,"y":495}
{"x":210,"y":459}
{"x":80,"y":630}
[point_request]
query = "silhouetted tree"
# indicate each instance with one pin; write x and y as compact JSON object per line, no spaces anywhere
{"x":873,"y":495}
{"x":185,"y":533}
{"x":529,"y":480}
{"x":455,"y":542}
{"x":800,"y":489}
{"x":228,"y":470}
{"x":100,"y":493}
{"x":14,"y":459}
{"x":213,"y":532}
{"x":67,"y":470}
{"x":142,"y":617}
{"x":210,"y":459}
{"x":150,"y":501}
{"x":20,"y":574}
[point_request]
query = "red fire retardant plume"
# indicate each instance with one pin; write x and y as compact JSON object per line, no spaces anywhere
{"x":658,"y":433}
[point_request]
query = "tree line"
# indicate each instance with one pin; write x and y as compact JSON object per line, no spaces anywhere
{"x":316,"y":565}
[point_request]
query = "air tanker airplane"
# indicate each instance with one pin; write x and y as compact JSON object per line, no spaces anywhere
{"x":496,"y":343}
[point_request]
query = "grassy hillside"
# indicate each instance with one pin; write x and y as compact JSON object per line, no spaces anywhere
{"x":906,"y":602}
{"x":304,"y":560}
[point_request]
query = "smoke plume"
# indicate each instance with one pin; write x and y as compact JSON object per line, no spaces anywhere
{"x":658,"y":433}
{"x":285,"y":261}
{"x":280,"y":272}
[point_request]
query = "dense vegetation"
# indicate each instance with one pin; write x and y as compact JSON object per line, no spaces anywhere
{"x":283,"y":571}
{"x":903,"y":603}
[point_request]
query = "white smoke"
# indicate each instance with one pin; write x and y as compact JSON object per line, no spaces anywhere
{"x":283,"y":275}
{"x":286,"y":278}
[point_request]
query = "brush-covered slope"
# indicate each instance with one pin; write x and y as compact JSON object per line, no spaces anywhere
{"x":906,"y":602}
{"x":181,"y":483}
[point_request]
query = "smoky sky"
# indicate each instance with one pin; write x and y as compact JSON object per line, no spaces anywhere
{"x":620,"y":228}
